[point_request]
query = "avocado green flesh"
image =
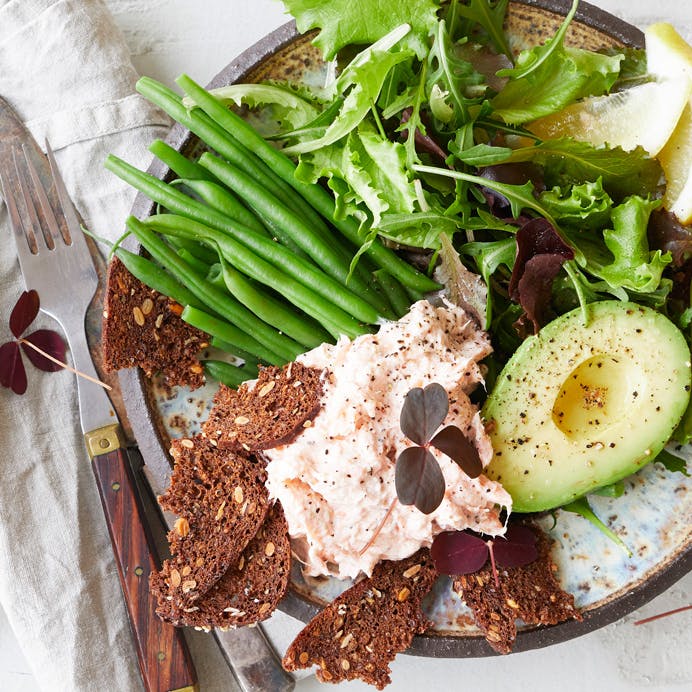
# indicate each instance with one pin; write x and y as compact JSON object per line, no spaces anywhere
{"x":582,"y":406}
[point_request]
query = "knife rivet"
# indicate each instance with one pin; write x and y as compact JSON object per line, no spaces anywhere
{"x":116,"y":486}
{"x":139,"y":571}
{"x":161,"y":656}
{"x":104,"y":443}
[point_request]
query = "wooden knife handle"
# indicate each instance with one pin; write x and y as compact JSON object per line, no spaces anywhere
{"x":164,"y":659}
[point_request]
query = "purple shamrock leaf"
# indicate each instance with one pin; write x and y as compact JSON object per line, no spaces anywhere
{"x":419,"y":480}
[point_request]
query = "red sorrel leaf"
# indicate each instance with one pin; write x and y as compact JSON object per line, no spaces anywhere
{"x":452,"y":442}
{"x":418,"y":479}
{"x":423,"y":412}
{"x":458,"y":552}
{"x":540,"y":255}
{"x":49,"y":341}
{"x":12,"y":372}
{"x":24,"y":312}
{"x":667,"y":234}
{"x":516,"y":548}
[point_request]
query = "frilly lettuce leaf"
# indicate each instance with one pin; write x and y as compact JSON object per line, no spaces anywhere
{"x":547,"y":78}
{"x":624,"y":260}
{"x":366,"y":172}
{"x":358,"y":22}
{"x":585,"y":206}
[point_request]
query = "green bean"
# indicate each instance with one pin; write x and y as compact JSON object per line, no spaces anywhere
{"x":201,"y":252}
{"x":197,"y":264}
{"x":315,"y":194}
{"x":223,"y":200}
{"x":301,"y":328}
{"x":236,"y":352}
{"x":394,"y":290}
{"x":153,"y":276}
{"x":179,"y":164}
{"x":237,"y":338}
{"x":230,"y":375}
{"x":166,"y":195}
{"x":285,"y":349}
{"x":299,"y":292}
{"x":324,"y":254}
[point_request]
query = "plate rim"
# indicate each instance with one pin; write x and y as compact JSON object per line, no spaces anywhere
{"x":154,"y":452}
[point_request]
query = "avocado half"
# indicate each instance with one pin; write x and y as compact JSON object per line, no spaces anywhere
{"x":582,"y":405}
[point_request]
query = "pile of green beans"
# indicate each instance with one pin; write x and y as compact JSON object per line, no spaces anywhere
{"x":256,"y":258}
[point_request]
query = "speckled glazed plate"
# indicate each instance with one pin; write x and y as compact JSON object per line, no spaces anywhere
{"x":653,"y":517}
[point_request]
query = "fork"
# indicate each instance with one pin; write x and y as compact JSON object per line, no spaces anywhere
{"x":55,"y":260}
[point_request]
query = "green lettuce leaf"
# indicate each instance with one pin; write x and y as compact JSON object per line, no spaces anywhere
{"x":363,"y":79}
{"x":547,"y":78}
{"x":367,"y":174}
{"x":358,"y":22}
{"x":623,"y":260}
{"x":585,"y":206}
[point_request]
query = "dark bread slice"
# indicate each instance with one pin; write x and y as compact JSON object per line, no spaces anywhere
{"x":265,"y":413}
{"x":250,"y":590}
{"x":530,"y":593}
{"x":360,"y":633}
{"x":143,"y":328}
{"x":221,"y":501}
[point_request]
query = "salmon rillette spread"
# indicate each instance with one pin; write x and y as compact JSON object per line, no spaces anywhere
{"x":336,"y":481}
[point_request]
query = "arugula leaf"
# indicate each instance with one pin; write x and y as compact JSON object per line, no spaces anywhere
{"x":582,"y":507}
{"x":491,"y":17}
{"x":420,"y":229}
{"x":547,"y":78}
{"x":448,"y":79}
{"x":365,"y":80}
{"x":568,"y":161}
{"x":358,"y":22}
{"x":481,"y":155}
{"x":489,"y":256}
{"x":672,"y":463}
{"x":586,"y":206}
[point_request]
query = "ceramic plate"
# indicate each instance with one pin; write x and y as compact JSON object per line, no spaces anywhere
{"x":653,"y":517}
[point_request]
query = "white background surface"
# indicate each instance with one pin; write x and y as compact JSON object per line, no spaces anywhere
{"x":167,"y":37}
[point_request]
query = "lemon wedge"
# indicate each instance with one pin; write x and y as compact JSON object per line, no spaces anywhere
{"x":668,"y":55}
{"x":645,"y":115}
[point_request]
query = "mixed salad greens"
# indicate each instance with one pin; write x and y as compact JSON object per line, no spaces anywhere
{"x":471,"y":172}
{"x":423,"y":138}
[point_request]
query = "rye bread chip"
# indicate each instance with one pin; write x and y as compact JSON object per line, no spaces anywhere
{"x":360,"y":633}
{"x":250,"y":589}
{"x":143,"y":328}
{"x":530,"y":593}
{"x":267,"y":412}
{"x":221,"y":501}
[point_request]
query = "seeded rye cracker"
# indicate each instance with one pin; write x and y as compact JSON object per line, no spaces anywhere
{"x":267,"y":412}
{"x":221,"y":501}
{"x":530,"y":593}
{"x":143,"y":328}
{"x":250,"y":589}
{"x":360,"y":633}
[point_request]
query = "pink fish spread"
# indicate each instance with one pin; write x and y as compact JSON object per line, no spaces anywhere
{"x":336,"y":480}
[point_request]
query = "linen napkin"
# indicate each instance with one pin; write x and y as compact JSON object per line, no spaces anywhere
{"x":65,"y":68}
